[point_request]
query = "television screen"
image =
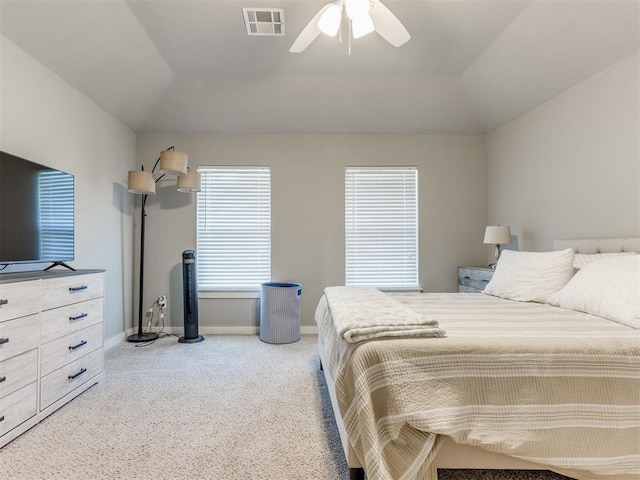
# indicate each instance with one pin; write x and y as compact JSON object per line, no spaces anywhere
{"x":36,"y":212}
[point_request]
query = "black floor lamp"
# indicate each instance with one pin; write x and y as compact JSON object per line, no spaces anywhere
{"x":142,"y":182}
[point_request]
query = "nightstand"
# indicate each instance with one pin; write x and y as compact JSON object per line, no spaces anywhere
{"x":473,"y":279}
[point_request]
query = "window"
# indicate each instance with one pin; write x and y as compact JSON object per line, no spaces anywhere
{"x":55,"y":191}
{"x":381,"y":227}
{"x":234,"y":228}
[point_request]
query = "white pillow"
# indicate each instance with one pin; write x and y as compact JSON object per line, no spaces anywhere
{"x":530,"y":276}
{"x":581,"y":259}
{"x":608,"y":288}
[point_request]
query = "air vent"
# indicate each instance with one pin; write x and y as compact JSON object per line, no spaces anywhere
{"x":264,"y":21}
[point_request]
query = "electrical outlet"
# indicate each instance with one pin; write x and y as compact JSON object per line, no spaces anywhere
{"x":162,"y":301}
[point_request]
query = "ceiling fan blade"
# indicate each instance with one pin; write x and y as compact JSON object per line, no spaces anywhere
{"x":387,"y":25}
{"x":309,"y":33}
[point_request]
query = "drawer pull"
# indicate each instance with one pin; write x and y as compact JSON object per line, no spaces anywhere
{"x":2,"y":379}
{"x":467,"y":277}
{"x":77,"y":374}
{"x":78,"y":345}
{"x":78,"y":317}
{"x":4,"y":340}
{"x":78,"y":289}
{"x":3,"y":301}
{"x":1,"y":418}
{"x":485,"y":280}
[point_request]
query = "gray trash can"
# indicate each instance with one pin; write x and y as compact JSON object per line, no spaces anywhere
{"x":280,"y":312}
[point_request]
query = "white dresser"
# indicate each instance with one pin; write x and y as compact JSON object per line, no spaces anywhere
{"x":51,"y":343}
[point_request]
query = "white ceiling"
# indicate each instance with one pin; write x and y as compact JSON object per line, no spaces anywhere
{"x":189,"y":66}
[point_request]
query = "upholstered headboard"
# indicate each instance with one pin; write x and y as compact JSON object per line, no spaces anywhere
{"x":600,"y":245}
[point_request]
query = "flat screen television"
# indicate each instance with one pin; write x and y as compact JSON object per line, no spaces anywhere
{"x":36,"y":213}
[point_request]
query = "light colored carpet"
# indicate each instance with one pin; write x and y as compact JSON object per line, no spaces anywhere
{"x":228,"y":408}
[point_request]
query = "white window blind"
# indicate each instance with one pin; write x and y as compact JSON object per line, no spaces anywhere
{"x":234,"y":228}
{"x":55,"y":190}
{"x":381,"y":220}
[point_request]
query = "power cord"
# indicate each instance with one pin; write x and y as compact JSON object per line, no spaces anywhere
{"x":162,"y":305}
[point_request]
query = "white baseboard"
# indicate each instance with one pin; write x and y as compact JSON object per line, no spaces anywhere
{"x":208,"y":330}
{"x":115,"y":340}
{"x":222,"y":330}
{"x":228,"y":330}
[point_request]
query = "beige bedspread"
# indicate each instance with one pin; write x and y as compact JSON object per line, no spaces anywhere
{"x":548,"y":385}
{"x":365,"y":313}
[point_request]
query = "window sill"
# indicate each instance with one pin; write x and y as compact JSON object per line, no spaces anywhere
{"x":229,"y":294}
{"x":402,"y":290}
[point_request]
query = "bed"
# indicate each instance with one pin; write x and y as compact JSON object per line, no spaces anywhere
{"x":510,"y":385}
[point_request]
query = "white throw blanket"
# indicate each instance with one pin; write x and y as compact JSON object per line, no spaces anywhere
{"x":363,"y":313}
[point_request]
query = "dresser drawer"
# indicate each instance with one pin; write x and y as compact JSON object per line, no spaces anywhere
{"x":64,"y":380}
{"x":19,"y":335}
{"x":473,"y":279}
{"x":57,"y":292}
{"x":62,"y":321}
{"x":57,"y":353}
{"x":19,"y":299}
{"x":18,"y":371}
{"x":465,"y":289}
{"x":18,"y":407}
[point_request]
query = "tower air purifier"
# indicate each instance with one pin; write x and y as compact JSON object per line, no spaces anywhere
{"x":190,"y":291}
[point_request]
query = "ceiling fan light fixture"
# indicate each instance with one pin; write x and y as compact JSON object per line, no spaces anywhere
{"x":362,"y":26}
{"x":357,"y":9}
{"x":364,"y":16}
{"x":329,"y":22}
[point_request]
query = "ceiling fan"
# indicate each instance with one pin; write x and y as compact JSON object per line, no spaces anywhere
{"x":364,"y":16}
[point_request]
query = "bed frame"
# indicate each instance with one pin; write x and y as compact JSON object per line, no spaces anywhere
{"x":449,"y":453}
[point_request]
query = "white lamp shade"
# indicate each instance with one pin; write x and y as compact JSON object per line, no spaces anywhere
{"x":329,"y":22}
{"x":141,"y":181}
{"x":497,"y":234}
{"x":173,"y":162}
{"x":189,"y":183}
{"x":356,"y":9}
{"x":362,"y":26}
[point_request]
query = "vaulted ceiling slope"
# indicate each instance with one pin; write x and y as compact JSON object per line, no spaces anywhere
{"x":189,"y":65}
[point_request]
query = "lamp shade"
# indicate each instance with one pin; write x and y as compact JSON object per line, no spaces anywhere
{"x":173,"y":162}
{"x":362,"y":26}
{"x":329,"y":22}
{"x":357,"y":8}
{"x":141,"y":181}
{"x":189,"y":183}
{"x":497,"y":234}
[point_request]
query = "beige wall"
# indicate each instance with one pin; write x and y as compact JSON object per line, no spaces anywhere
{"x":45,"y":120}
{"x":571,"y":167}
{"x":307,"y":174}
